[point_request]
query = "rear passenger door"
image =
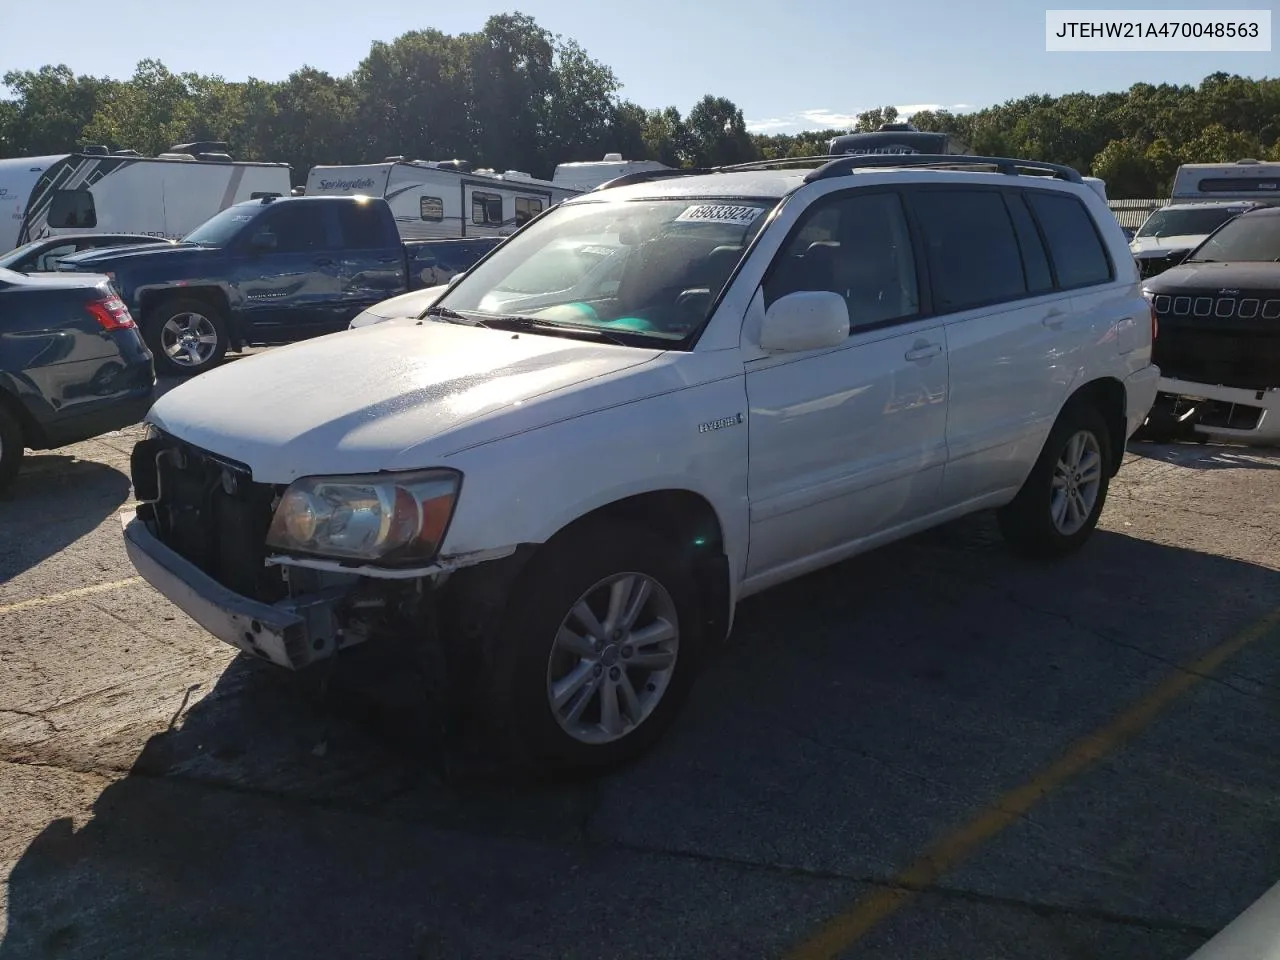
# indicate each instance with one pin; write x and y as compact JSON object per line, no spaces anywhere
{"x":1011,"y":365}
{"x":371,"y":261}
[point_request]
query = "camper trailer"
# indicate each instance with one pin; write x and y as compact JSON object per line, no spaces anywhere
{"x":443,"y":200}
{"x":586,"y":175}
{"x":94,"y":190}
{"x":1254,"y":180}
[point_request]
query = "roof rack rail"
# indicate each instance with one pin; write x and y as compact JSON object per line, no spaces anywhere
{"x":840,"y":166}
{"x":641,"y":176}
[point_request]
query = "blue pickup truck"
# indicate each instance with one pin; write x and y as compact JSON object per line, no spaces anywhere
{"x":270,"y":271}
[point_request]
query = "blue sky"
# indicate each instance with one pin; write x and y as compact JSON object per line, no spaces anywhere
{"x":789,"y":66}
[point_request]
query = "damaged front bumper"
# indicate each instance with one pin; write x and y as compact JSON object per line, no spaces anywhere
{"x":292,"y":633}
{"x":1239,"y":414}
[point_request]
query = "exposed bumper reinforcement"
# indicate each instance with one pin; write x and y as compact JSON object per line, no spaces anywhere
{"x":292,"y":634}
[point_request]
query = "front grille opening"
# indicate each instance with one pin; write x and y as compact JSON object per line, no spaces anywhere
{"x":1228,"y":359}
{"x":210,"y":511}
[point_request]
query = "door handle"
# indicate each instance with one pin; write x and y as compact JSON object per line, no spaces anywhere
{"x":324,"y":262}
{"x":1054,"y":319}
{"x":923,"y":351}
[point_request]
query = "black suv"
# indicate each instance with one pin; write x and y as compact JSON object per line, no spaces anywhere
{"x":1218,"y":348}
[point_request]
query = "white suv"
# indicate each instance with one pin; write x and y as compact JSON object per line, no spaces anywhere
{"x":792,"y":366}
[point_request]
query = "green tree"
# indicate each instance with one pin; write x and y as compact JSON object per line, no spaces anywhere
{"x":718,"y":133}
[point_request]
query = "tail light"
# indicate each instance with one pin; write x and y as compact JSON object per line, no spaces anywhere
{"x":111,"y":313}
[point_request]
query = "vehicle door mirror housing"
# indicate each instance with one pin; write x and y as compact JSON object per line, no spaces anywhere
{"x":262,"y":241}
{"x":808,"y":320}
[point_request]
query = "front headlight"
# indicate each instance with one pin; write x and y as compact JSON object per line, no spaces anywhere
{"x":391,"y":519}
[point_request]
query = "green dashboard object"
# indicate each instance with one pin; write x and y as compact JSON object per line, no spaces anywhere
{"x":630,"y":323}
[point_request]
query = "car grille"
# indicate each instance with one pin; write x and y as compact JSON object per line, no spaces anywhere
{"x":1211,"y":306}
{"x":1226,"y":340}
{"x":209,"y":510}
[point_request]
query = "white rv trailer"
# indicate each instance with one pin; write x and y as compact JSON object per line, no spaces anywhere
{"x":1243,"y":180}
{"x":95,"y":191}
{"x":442,"y":200}
{"x":584,"y":175}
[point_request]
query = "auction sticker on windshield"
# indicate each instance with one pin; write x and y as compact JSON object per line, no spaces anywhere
{"x":718,"y":213}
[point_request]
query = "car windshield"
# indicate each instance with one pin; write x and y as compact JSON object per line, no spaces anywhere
{"x":17,"y":253}
{"x":218,"y":230}
{"x":1245,"y":240}
{"x":647,"y":267}
{"x":1187,"y":221}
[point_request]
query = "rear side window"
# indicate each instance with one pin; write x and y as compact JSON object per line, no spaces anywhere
{"x":1079,"y":258}
{"x":72,"y":208}
{"x":1034,"y":261}
{"x":361,"y":226}
{"x":973,"y":251}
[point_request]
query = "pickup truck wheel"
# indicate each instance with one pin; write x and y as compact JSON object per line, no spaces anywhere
{"x":186,"y":336}
{"x":11,"y":447}
{"x":599,"y":646}
{"x":1061,"y":500}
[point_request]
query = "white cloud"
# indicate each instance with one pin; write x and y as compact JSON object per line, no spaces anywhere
{"x":823,"y":119}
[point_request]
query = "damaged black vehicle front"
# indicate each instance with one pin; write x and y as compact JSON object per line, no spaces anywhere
{"x":1218,"y":344}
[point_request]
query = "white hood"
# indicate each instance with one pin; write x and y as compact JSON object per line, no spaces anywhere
{"x":388,"y":397}
{"x":1159,"y":246}
{"x":409,"y":304}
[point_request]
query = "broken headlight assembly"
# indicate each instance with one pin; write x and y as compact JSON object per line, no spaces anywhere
{"x":391,"y":519}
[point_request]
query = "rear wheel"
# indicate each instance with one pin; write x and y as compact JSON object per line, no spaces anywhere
{"x":1062,"y":498}
{"x":11,"y":446}
{"x":187,"y":336}
{"x":599,"y":645}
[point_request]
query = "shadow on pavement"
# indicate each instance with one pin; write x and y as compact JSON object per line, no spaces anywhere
{"x":1209,"y":456}
{"x":54,"y":501}
{"x":861,"y":713}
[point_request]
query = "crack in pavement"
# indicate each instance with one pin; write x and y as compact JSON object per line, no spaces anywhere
{"x":34,"y":715}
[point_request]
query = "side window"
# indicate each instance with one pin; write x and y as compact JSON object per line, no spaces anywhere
{"x":431,"y":208}
{"x":1034,"y":260}
{"x":72,"y":208}
{"x":298,"y":227}
{"x":1078,"y":255}
{"x":361,"y":226}
{"x":486,"y":209}
{"x":973,"y":252}
{"x":858,"y":246}
{"x":526,"y":209}
{"x":48,"y":261}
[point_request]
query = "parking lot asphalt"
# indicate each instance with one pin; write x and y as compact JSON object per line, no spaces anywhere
{"x":935,"y":750}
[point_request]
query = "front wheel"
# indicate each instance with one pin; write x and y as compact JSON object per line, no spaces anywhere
{"x":186,"y":336}
{"x":599,"y":645}
{"x":1062,"y":498}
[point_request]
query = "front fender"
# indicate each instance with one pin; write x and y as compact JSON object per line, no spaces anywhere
{"x":527,"y":487}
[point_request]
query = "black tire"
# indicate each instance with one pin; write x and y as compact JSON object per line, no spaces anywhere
{"x":517,"y":691}
{"x":11,"y":447}
{"x":1027,"y":523}
{"x":153,"y":331}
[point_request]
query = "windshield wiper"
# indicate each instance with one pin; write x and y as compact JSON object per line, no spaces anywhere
{"x":534,"y":325}
{"x":453,"y":316}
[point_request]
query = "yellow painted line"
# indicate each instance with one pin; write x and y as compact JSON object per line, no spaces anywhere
{"x":846,"y":929}
{"x":55,"y":598}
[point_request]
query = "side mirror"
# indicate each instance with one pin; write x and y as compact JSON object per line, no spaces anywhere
{"x":456,"y":277}
{"x":262,"y":241}
{"x":809,"y":320}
